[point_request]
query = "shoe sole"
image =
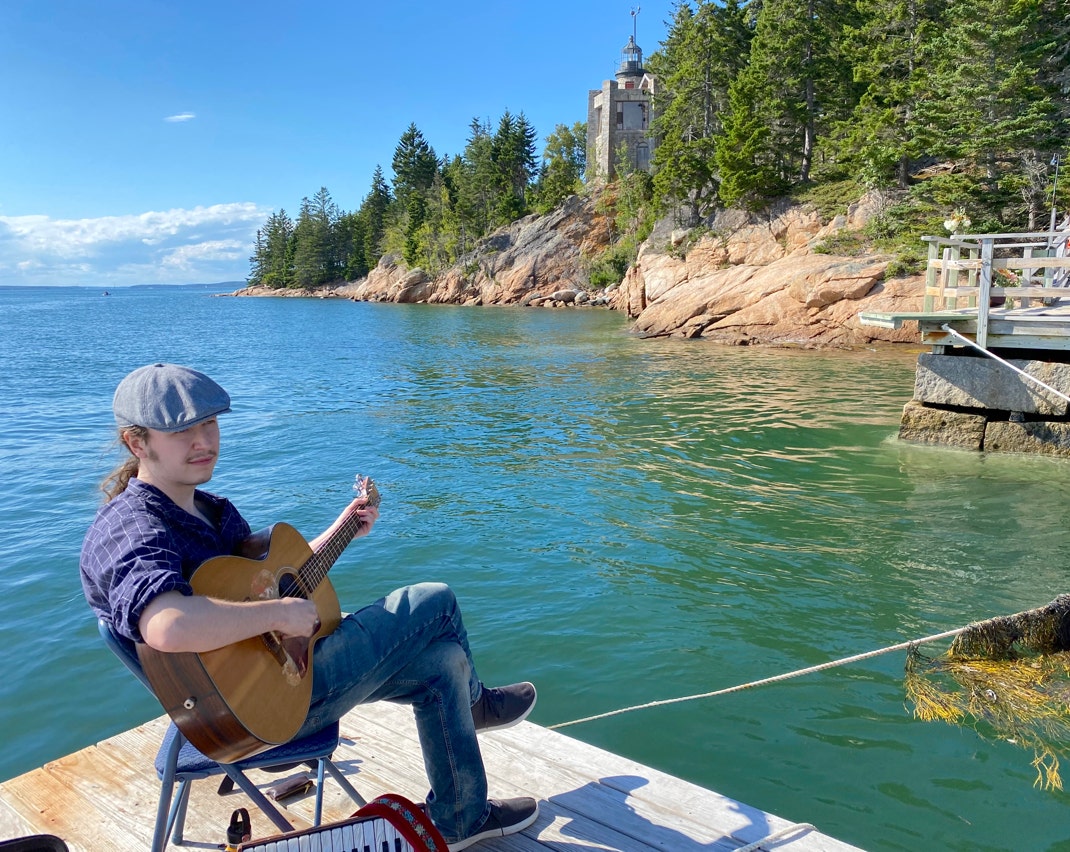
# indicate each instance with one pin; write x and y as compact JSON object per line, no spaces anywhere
{"x":515,"y":721}
{"x":458,"y":845}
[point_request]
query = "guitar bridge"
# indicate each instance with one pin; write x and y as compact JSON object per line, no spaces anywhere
{"x":291,"y":655}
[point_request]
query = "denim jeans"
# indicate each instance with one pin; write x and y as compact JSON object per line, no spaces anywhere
{"x":411,"y":647}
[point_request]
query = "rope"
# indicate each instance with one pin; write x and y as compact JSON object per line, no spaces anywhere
{"x":799,"y":672}
{"x":995,"y":357}
{"x":776,"y":835}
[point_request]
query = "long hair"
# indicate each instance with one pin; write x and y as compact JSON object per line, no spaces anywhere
{"x":116,"y":482}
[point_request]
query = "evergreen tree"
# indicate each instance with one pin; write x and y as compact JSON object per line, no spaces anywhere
{"x":704,"y":51}
{"x":885,"y":49}
{"x":352,"y":232}
{"x":414,"y":165}
{"x":984,"y":103}
{"x":315,"y":254}
{"x":746,"y":159}
{"x":258,"y":260}
{"x":797,"y":82}
{"x":276,"y":264}
{"x":515,"y":164}
{"x":475,"y":178}
{"x":564,"y":161}
{"x":374,"y":211}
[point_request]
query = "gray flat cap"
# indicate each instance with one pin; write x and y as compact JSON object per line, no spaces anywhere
{"x":167,"y":398}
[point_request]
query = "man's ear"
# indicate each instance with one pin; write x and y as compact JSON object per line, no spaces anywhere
{"x":137,"y":444}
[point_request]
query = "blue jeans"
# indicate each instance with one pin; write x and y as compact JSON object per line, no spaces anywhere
{"x":411,"y":647}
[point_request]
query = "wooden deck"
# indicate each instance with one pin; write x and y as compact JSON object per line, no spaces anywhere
{"x":1026,"y":275}
{"x":1035,"y":327}
{"x":104,"y":797}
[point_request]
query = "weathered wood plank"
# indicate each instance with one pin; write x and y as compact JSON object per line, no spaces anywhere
{"x":1037,"y":262}
{"x":104,"y":797}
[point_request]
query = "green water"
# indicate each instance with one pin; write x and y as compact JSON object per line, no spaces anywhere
{"x":624,"y":521}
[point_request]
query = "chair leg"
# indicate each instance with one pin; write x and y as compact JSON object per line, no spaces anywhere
{"x":176,"y":822}
{"x":258,"y":798}
{"x":318,"y":816}
{"x":343,"y":782}
{"x":162,"y":830}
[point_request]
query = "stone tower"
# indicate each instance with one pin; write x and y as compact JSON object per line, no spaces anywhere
{"x":619,"y":114}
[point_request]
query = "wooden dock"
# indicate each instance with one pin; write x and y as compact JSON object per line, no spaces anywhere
{"x":1001,"y":291}
{"x":104,"y":797}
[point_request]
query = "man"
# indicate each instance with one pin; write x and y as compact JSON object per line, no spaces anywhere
{"x":411,"y":646}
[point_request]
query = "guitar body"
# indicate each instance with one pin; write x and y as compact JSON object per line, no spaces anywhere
{"x":245,"y":698}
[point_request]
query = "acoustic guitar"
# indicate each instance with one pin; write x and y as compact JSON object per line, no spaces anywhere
{"x":242,"y":699}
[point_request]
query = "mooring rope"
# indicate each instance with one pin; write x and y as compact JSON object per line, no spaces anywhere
{"x":947,"y":634}
{"x":995,"y":357}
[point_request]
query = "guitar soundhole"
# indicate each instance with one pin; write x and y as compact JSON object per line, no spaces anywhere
{"x":289,"y":587}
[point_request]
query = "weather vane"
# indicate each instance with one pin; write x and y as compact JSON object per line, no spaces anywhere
{"x":635,"y":14}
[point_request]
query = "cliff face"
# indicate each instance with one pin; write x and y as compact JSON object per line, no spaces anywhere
{"x":531,"y":259}
{"x":736,"y":283}
{"x":764,"y":283}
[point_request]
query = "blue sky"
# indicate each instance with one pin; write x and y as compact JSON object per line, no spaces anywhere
{"x":144,"y":141}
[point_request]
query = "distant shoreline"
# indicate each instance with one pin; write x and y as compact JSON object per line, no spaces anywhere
{"x":221,"y":285}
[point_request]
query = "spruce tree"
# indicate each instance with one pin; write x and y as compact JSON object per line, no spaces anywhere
{"x":374,"y":211}
{"x":984,"y":105}
{"x":704,"y":51}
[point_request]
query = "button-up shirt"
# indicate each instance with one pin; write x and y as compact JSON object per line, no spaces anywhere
{"x":142,"y":544}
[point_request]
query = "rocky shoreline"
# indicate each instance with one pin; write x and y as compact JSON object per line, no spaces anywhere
{"x":737,"y":282}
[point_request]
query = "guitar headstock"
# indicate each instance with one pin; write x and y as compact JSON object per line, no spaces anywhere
{"x":365,"y":487}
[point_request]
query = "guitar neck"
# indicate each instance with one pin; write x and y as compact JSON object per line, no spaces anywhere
{"x":323,"y":558}
{"x":314,"y":571}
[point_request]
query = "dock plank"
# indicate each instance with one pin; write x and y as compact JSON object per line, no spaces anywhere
{"x":104,"y":796}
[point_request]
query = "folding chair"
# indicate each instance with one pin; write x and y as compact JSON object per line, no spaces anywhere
{"x":179,"y":761}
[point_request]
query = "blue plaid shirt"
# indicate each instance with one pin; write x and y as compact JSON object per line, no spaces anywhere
{"x":141,"y":544}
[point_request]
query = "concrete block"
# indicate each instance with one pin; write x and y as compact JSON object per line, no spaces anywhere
{"x":1038,"y":438}
{"x":923,"y":425}
{"x":983,"y":383}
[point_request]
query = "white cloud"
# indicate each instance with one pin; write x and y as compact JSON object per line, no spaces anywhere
{"x":186,"y":257}
{"x":182,"y":116}
{"x":173,"y":246}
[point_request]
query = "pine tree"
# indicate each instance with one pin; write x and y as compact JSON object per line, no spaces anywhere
{"x":704,"y":51}
{"x":258,"y":260}
{"x":374,"y":211}
{"x":475,"y":178}
{"x":747,"y":162}
{"x":513,"y":156}
{"x":885,"y":49}
{"x":798,"y":84}
{"x":315,"y":255}
{"x":276,"y":267}
{"x":352,"y":232}
{"x":983,"y":104}
{"x":414,"y":165}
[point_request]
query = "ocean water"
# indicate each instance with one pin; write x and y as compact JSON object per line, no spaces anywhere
{"x":624,"y":521}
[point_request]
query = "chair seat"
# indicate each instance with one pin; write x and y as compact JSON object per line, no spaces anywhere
{"x":193,"y":764}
